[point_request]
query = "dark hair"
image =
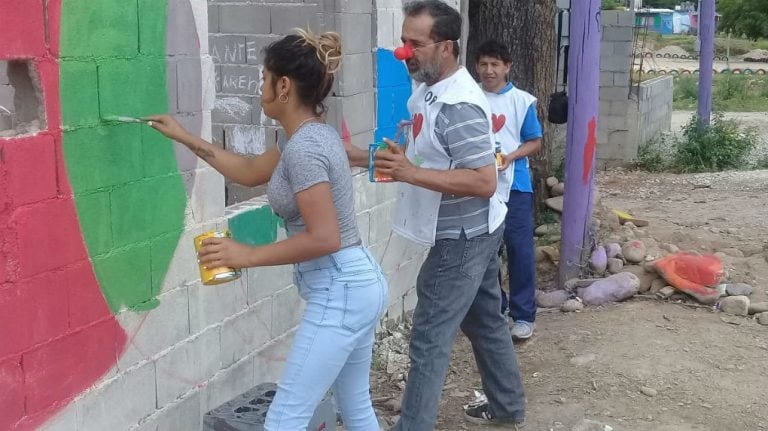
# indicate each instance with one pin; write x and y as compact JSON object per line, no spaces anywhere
{"x":447,"y":20}
{"x":310,"y":61}
{"x":494,"y":49}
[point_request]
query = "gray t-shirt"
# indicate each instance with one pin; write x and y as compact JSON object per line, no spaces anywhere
{"x":462,"y":130}
{"x":314,"y":155}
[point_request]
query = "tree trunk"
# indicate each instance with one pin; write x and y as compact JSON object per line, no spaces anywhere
{"x":528,"y":28}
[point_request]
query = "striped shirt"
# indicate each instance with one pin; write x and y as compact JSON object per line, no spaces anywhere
{"x":462,"y":130}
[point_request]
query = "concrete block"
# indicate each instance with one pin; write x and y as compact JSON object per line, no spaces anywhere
{"x":245,"y":139}
{"x":239,"y":80}
{"x":182,"y":30}
{"x":120,"y":402}
{"x":381,"y":222}
{"x":358,"y":112}
{"x":210,"y":305}
{"x":615,"y":64}
{"x":65,"y":420}
{"x":356,"y":74}
{"x":359,"y":26}
{"x":613,"y":122}
{"x":116,"y":76}
{"x":188,"y":364}
{"x":233,"y":110}
{"x":364,"y":226}
{"x":208,"y":70}
{"x":386,"y":29}
{"x":264,"y":282}
{"x":254,"y":47}
{"x":110,"y":152}
{"x":213,"y":18}
{"x":614,"y":94}
{"x":354,"y":6}
{"x":183,"y":269}
{"x":618,"y":34}
{"x":287,"y":308}
{"x":244,"y":18}
{"x":184,"y":414}
{"x":80,"y":89}
{"x":189,"y":77}
{"x":621,"y":79}
{"x":110,"y":31}
{"x":246,"y":332}
{"x":134,"y":220}
{"x":623,"y":49}
{"x":626,"y":19}
{"x":227,"y":49}
{"x":403,"y":279}
{"x":284,"y":18}
{"x":228,"y":384}
{"x":268,"y":363}
{"x":606,"y":79}
{"x":206,"y":200}
{"x":154,"y":331}
{"x":186,"y":159}
{"x":609,"y":18}
{"x":398,"y":251}
{"x":606,"y":49}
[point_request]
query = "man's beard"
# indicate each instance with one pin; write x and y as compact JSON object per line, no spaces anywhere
{"x":428,"y":73}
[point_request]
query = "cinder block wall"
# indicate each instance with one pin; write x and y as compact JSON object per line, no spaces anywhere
{"x":615,"y":140}
{"x":654,"y":114}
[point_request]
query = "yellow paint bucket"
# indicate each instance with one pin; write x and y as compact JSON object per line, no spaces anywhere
{"x":213,"y":276}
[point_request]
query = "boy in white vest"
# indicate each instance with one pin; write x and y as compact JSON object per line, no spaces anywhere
{"x":518,"y":131}
{"x":447,"y":200}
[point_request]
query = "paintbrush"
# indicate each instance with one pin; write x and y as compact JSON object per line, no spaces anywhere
{"x":122,"y":119}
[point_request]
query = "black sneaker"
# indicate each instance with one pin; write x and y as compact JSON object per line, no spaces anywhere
{"x":480,"y":415}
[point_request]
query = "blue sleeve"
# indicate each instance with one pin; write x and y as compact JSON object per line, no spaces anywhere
{"x":531,"y":126}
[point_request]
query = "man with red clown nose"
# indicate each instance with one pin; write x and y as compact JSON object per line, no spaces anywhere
{"x":447,"y":200}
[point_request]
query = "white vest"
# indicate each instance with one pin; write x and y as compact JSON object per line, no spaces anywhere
{"x":416,"y":215}
{"x":508,"y":114}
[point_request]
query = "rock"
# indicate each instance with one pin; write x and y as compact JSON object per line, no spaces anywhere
{"x":612,"y":250}
{"x":758,"y":307}
{"x":583,"y":359}
{"x":665,"y":292}
{"x":670,"y":248}
{"x":650,"y":392}
{"x":576,"y":283}
{"x":547,"y":252}
{"x":738,"y":289}
{"x":735,"y":252}
{"x":762,"y":318}
{"x":633,"y":251}
{"x":590,"y":425}
{"x":657,"y":285}
{"x":558,"y":189}
{"x":645,"y":277}
{"x":548,"y":229}
{"x":553,"y":299}
{"x":617,"y":287}
{"x":750,"y":249}
{"x":615,"y":265}
{"x":735,"y":305}
{"x":552,"y":181}
{"x":572,"y":305}
{"x":555,"y":203}
{"x":598,"y":261}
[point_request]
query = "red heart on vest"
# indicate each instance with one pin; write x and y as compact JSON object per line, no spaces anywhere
{"x":498,"y":122}
{"x":418,"y":121}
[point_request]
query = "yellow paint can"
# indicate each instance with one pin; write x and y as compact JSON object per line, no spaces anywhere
{"x":213,"y":276}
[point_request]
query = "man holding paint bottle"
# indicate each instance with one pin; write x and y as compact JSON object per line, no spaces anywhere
{"x":447,"y":200}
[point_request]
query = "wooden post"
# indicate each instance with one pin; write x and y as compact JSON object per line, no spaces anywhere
{"x":706,"y":57}
{"x":581,"y":142}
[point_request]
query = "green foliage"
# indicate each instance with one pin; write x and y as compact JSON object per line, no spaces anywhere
{"x":612,"y":4}
{"x":744,"y":17}
{"x":651,"y":156}
{"x":723,"y":145}
{"x":731,"y":93}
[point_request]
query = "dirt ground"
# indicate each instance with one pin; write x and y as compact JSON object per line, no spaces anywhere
{"x":706,"y":371}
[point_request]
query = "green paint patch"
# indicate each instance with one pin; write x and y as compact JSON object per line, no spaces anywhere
{"x":97,"y":28}
{"x":125,"y":277}
{"x":138,"y":215}
{"x":103,"y":156}
{"x":93,"y":211}
{"x":121,"y":81}
{"x":255,"y":227}
{"x":79,"y":86}
{"x":133,"y":224}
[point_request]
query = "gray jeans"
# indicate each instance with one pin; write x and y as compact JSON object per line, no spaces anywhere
{"x":458,"y":287}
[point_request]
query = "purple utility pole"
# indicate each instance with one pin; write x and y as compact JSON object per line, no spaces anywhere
{"x":581,"y":142}
{"x":706,"y":56}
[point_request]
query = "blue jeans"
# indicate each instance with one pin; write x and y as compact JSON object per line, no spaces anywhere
{"x":458,"y":287}
{"x":346,"y":295}
{"x":521,"y":260}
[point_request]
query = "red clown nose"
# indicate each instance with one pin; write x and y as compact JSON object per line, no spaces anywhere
{"x":404,"y":52}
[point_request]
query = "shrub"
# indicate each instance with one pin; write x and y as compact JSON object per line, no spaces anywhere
{"x":720,"y":146}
